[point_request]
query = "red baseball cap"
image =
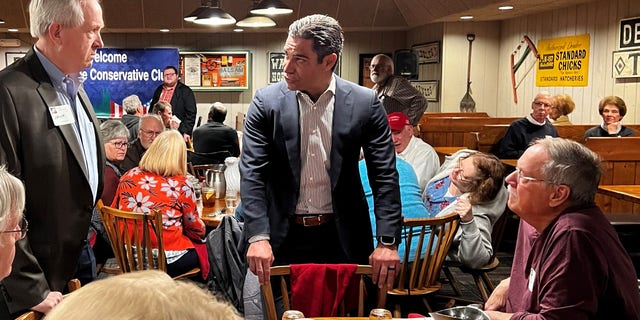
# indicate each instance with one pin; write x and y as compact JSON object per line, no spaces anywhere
{"x":398,"y":120}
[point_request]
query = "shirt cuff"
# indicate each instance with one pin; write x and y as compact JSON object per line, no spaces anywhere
{"x":259,"y":237}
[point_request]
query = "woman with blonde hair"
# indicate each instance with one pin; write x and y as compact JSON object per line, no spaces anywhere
{"x":562,"y":106}
{"x":160,"y":183}
{"x":13,"y":226}
{"x":148,"y":294}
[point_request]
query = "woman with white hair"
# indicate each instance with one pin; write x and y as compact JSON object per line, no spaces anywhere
{"x":13,"y":226}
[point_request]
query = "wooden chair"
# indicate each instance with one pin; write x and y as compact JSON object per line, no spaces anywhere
{"x":283,"y":272}
{"x":480,"y":275}
{"x":130,"y":234}
{"x":421,"y":276}
{"x":72,"y":285}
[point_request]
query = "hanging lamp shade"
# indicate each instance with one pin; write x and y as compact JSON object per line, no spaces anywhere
{"x":256,"y":21}
{"x":270,"y":7}
{"x":210,"y":14}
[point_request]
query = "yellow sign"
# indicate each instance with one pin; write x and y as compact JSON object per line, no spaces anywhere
{"x":564,"y":62}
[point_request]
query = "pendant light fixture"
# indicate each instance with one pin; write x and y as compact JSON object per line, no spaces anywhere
{"x":270,"y":7}
{"x":210,"y":14}
{"x":254,"y":20}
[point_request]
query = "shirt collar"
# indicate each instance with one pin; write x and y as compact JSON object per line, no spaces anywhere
{"x":532,"y":120}
{"x":54,"y":73}
{"x":331,"y":88}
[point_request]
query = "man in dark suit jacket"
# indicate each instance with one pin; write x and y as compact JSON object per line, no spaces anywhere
{"x":49,"y":139}
{"x":181,"y":98}
{"x":215,"y":136}
{"x":301,"y":192}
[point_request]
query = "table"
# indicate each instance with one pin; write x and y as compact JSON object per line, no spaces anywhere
{"x":446,"y":151}
{"x":510,"y":162}
{"x":629,"y":193}
{"x":209,"y":217}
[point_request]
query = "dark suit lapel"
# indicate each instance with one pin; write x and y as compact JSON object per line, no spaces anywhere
{"x":290,"y":122}
{"x":342,"y":114}
{"x":50,"y":98}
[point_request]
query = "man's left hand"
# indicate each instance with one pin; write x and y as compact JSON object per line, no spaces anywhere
{"x":385,"y":262}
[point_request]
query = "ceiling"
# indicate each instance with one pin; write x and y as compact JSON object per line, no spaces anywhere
{"x":354,"y":15}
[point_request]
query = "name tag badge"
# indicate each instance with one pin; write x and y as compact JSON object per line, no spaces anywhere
{"x":62,"y":115}
{"x":532,"y":279}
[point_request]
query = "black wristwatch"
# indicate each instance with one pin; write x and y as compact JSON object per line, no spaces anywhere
{"x":387,"y":241}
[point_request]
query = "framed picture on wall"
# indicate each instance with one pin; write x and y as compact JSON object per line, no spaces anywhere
{"x":428,"y":52}
{"x":429,"y":88}
{"x":276,"y":67}
{"x":216,"y":71}
{"x":11,"y":57}
{"x":363,"y":76}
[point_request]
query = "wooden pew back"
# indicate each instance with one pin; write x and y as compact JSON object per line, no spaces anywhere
{"x":621,"y":165}
{"x":489,"y":135}
{"x":450,"y":131}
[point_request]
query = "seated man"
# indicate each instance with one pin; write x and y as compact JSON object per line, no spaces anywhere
{"x":420,"y":155}
{"x":150,"y":127}
{"x":215,"y":135}
{"x":568,"y":262}
{"x":522,"y":132}
{"x":133,"y":107}
{"x":412,"y":205}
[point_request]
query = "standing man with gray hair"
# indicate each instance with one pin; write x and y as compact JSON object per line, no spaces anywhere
{"x":133,"y":107}
{"x":395,"y":92}
{"x":50,"y":139}
{"x":301,"y":193}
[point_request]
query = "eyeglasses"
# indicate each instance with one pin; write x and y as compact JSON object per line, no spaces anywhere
{"x":521,"y":177}
{"x":24,"y":227}
{"x":542,"y":104}
{"x":119,"y":144}
{"x":150,"y":133}
{"x":461,"y":176}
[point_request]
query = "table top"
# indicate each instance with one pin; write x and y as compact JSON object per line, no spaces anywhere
{"x":211,"y":216}
{"x":625,"y":192}
{"x":448,"y":150}
{"x":510,"y":162}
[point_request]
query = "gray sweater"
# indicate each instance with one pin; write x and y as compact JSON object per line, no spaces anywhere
{"x":472,"y":243}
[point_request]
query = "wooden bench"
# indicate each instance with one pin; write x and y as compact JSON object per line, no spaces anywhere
{"x":621,"y":165}
{"x":450,"y":131}
{"x":454,"y":114}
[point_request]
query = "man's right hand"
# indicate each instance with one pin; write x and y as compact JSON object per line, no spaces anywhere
{"x":498,"y":299}
{"x":52,"y":299}
{"x":260,"y":257}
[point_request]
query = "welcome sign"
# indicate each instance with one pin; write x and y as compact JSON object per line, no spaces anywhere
{"x":118,"y":73}
{"x":564,"y":62}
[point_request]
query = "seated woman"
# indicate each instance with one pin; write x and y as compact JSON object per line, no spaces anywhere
{"x":471,"y":184}
{"x":115,"y":136}
{"x":612,"y":109}
{"x":13,"y":226}
{"x":412,"y":205}
{"x":562,"y":106}
{"x":160,"y":182}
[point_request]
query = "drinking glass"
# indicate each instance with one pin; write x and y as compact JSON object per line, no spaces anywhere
{"x":380,"y":314}
{"x":292,"y":315}
{"x":208,"y":199}
{"x":231,"y":201}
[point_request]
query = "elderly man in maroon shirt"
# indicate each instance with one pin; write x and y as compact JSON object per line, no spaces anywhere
{"x":569,"y":262}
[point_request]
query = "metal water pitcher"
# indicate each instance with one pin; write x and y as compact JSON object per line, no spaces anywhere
{"x":215,"y":179}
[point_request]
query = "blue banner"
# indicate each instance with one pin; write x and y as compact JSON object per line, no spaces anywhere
{"x":118,"y":73}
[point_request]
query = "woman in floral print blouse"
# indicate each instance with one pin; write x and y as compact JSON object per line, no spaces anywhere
{"x":160,"y":182}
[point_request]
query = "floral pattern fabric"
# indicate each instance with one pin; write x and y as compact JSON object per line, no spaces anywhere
{"x":436,"y":196}
{"x":142,"y":191}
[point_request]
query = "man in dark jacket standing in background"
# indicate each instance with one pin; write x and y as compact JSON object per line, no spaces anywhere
{"x":180,"y":97}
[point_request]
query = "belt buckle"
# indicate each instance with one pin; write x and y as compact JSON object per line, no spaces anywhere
{"x":312,"y":220}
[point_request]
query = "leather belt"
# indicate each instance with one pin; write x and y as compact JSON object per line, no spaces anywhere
{"x":312,"y":220}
